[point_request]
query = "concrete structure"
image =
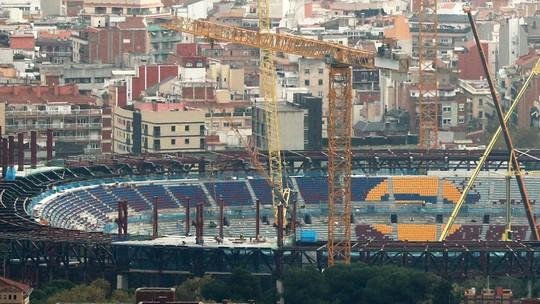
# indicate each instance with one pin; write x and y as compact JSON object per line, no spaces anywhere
{"x":157,"y":128}
{"x":294,"y":124}
{"x":512,"y":41}
{"x":88,"y":77}
{"x":53,"y":8}
{"x":291,"y":121}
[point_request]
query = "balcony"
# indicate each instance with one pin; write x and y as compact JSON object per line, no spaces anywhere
{"x":43,"y":113}
{"x":64,"y":126}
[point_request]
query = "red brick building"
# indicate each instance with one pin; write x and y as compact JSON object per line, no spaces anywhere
{"x":109,"y":44}
{"x":150,"y":75}
{"x":469,"y":64}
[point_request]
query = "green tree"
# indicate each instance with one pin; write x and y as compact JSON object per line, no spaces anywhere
{"x":346,"y":282}
{"x":122,"y":296}
{"x":304,"y":286}
{"x":81,"y":293}
{"x":103,"y":285}
{"x":191,"y":289}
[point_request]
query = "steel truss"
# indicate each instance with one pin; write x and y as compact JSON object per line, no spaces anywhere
{"x":305,"y":162}
{"x":40,"y":261}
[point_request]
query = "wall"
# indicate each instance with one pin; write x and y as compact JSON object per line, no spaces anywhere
{"x":180,"y":126}
{"x":52,"y":7}
{"x":148,"y":76}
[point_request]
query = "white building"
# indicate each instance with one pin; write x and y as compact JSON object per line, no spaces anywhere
{"x":27,"y":7}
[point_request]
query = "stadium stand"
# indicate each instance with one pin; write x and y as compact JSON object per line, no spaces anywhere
{"x":465,"y":232}
{"x":233,"y":193}
{"x":262,"y":190}
{"x":314,"y":190}
{"x":417,"y":232}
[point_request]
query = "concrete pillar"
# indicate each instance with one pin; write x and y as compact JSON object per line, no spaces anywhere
{"x":49,"y":144}
{"x":20,"y":151}
{"x":33,"y":149}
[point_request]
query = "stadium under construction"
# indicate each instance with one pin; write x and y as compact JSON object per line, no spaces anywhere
{"x":157,"y":218}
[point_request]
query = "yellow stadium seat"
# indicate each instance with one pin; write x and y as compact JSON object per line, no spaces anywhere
{"x":417,"y":232}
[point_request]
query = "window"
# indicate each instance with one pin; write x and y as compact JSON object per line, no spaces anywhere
{"x":446,"y":121}
{"x":186,"y":141}
{"x":447,"y":109}
{"x":480,"y":101}
{"x":173,"y":141}
{"x":186,"y":128}
{"x":306,"y":71}
{"x":461,"y":107}
{"x":480,"y":114}
{"x":461,"y":120}
{"x":320,"y":82}
{"x":321,"y":71}
{"x":306,"y":82}
{"x":173,"y":128}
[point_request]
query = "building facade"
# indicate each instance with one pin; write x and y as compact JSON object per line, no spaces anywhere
{"x":158,"y":128}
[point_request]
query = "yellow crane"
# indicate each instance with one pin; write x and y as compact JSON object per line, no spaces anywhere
{"x":340,"y":59}
{"x":267,"y":86}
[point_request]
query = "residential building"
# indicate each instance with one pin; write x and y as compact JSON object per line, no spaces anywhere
{"x":52,"y":8}
{"x":88,"y":77}
{"x":453,"y":31}
{"x":469,"y":60}
{"x":313,"y":74}
{"x":26,"y":7}
{"x":75,"y":119}
{"x":125,"y":7}
{"x":163,"y":42}
{"x":300,"y":123}
{"x":481,"y":106}
{"x":512,"y":41}
{"x":109,"y":44}
{"x":158,"y":128}
{"x":55,"y":47}
{"x":13,"y":292}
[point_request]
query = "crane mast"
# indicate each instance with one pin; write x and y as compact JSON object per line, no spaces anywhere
{"x":267,"y":85}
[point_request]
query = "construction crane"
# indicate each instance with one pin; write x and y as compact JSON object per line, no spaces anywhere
{"x":267,"y":86}
{"x":428,"y":82}
{"x":340,"y":59}
{"x":513,"y":163}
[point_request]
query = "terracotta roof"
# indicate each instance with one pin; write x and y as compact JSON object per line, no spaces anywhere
{"x":22,"y":41}
{"x":57,"y":35}
{"x":21,"y":286}
{"x":528,"y":59}
{"x":19,"y":94}
{"x":132,"y":23}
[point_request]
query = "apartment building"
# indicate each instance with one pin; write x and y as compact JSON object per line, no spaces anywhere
{"x":158,"y":128}
{"x":75,"y":119}
{"x":300,"y":123}
{"x":124,"y":7}
{"x":482,"y":108}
